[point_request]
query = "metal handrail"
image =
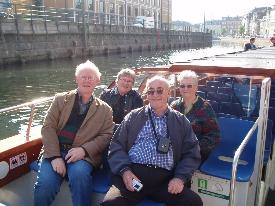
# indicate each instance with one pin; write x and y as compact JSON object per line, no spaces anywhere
{"x":31,"y":104}
{"x":236,"y":160}
{"x":27,"y":104}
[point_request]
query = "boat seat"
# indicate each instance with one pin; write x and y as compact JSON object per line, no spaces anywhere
{"x":214,"y":105}
{"x":214,"y":83}
{"x":268,"y":141}
{"x":212,"y":96}
{"x":201,"y":94}
{"x":219,"y":163}
{"x":225,"y":90}
{"x":272,"y":102}
{"x":102,"y":183}
{"x":271,"y":115}
{"x":232,"y":108}
{"x":101,"y":178}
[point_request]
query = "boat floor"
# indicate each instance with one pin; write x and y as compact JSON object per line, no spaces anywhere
{"x":20,"y":193}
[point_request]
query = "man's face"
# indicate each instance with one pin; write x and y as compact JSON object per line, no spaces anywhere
{"x":125,"y":84}
{"x":158,"y":94}
{"x":86,"y":81}
{"x":188,"y":88}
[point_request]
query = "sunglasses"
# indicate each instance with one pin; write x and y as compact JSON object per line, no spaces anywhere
{"x":189,"y":86}
{"x":157,"y":91}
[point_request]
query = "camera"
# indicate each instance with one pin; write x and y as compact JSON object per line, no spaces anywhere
{"x":137,"y":185}
{"x":163,"y":145}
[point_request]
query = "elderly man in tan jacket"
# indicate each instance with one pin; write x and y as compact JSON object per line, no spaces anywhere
{"x":77,"y":129}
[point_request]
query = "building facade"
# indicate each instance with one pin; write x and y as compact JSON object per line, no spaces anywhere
{"x":125,"y":10}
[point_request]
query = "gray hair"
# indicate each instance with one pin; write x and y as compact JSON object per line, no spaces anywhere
{"x":89,"y":66}
{"x":159,"y":78}
{"x":126,"y":72}
{"x":188,"y":74}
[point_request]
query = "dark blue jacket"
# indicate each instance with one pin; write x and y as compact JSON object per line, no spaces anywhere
{"x":132,"y":100}
{"x":185,"y":145}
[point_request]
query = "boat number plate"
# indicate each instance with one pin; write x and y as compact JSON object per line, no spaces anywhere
{"x":18,"y":160}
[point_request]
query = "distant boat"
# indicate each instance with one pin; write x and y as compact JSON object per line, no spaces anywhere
{"x":240,"y":90}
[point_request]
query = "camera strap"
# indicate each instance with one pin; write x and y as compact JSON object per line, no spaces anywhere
{"x":153,"y":125}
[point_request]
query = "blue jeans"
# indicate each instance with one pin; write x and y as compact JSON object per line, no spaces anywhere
{"x":48,"y":183}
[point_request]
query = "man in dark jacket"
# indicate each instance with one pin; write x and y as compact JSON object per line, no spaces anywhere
{"x":250,"y":45}
{"x":153,"y":153}
{"x":122,"y":98}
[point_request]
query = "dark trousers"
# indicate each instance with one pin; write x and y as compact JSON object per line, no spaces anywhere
{"x":155,"y":186}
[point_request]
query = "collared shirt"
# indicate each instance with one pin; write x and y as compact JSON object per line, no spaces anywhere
{"x":144,"y":149}
{"x":84,"y":107}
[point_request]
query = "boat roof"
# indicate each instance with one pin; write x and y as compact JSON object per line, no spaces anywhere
{"x":259,"y":62}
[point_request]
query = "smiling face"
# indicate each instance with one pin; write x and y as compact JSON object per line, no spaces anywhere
{"x":86,"y":81}
{"x":157,"y":95}
{"x":188,"y":88}
{"x":125,"y":84}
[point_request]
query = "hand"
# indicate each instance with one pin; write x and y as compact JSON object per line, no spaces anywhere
{"x":175,"y":186}
{"x":128,"y":177}
{"x":58,"y":165}
{"x":75,"y":154}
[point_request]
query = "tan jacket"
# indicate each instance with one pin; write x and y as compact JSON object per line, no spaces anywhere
{"x":94,"y":134}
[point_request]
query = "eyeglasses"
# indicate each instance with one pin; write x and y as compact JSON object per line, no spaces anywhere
{"x":157,"y":91}
{"x":88,"y":78}
{"x":189,"y":86}
{"x":126,"y":80}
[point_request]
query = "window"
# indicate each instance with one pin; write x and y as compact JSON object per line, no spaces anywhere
{"x":129,"y":11}
{"x":101,"y":6}
{"x":112,"y":8}
{"x":136,"y":11}
{"x":121,"y":10}
{"x":91,"y":5}
{"x":78,"y":4}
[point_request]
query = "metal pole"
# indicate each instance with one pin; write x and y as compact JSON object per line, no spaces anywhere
{"x":30,"y":122}
{"x":125,"y":22}
{"x":84,"y":26}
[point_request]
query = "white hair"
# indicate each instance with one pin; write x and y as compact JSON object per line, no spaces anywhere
{"x":188,"y":74}
{"x":158,"y":78}
{"x":89,"y":66}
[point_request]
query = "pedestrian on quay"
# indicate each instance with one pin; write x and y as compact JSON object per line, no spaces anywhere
{"x":272,"y":39}
{"x":250,"y":45}
{"x":122,"y":98}
{"x":153,"y":153}
{"x":199,"y":112}
{"x":77,"y":129}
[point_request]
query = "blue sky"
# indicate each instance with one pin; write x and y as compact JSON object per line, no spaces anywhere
{"x":193,"y":10}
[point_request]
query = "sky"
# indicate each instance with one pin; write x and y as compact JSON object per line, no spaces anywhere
{"x":193,"y":10}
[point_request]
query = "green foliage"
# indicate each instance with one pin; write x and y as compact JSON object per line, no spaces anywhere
{"x":241,"y":30}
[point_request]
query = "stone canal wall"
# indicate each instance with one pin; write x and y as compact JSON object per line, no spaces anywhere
{"x":23,"y":41}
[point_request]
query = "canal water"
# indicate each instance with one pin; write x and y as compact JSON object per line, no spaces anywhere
{"x":24,"y":83}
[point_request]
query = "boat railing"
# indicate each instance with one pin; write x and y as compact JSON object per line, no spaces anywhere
{"x":236,"y":160}
{"x":32,"y":105}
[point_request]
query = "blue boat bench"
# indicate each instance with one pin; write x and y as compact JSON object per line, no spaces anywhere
{"x":219,"y":163}
{"x":102,"y":183}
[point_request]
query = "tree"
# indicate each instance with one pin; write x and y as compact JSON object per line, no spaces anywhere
{"x":224,"y":31}
{"x":241,"y":30}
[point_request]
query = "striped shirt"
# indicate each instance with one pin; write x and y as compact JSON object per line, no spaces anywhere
{"x":144,"y":149}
